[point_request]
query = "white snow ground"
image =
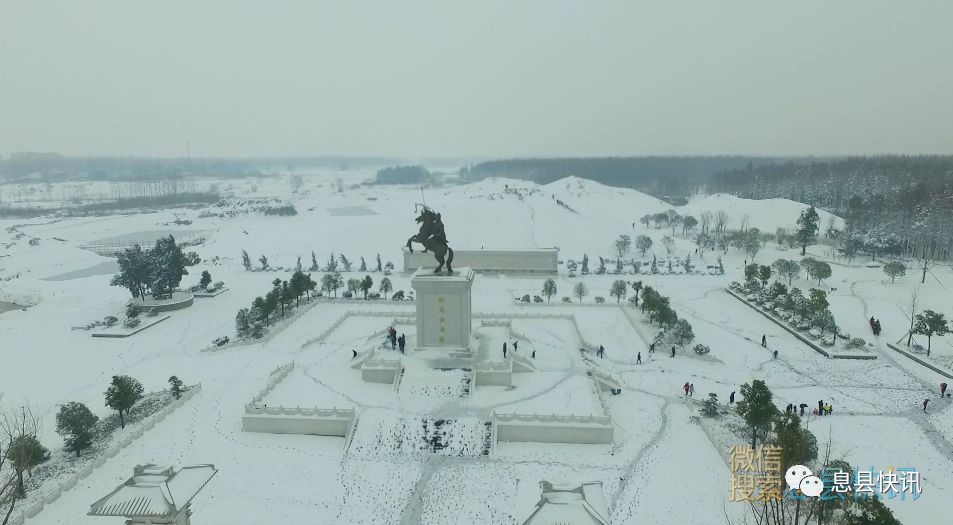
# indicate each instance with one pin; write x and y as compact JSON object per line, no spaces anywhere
{"x":662,"y":469}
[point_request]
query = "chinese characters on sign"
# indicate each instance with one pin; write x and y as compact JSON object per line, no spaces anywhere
{"x":869,"y":483}
{"x":755,"y":473}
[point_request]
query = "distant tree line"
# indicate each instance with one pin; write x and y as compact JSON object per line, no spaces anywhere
{"x":403,"y":175}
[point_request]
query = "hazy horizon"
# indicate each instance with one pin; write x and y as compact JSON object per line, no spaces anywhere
{"x":430,"y":80}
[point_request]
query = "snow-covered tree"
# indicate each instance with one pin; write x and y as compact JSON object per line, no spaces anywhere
{"x":757,"y":408}
{"x":175,"y":387}
{"x":363,"y":266}
{"x":618,"y":290}
{"x":264,"y":262}
{"x":122,"y":394}
{"x":75,"y":422}
{"x":246,"y":261}
{"x":622,"y":245}
{"x":895,"y":269}
{"x":807,"y":228}
{"x":585,"y":264}
{"x":331,"y":282}
{"x":136,"y":271}
{"x":242,"y":323}
{"x":688,"y":224}
{"x":669,"y":244}
{"x":365,"y":285}
{"x":346,"y":263}
{"x":643,"y":243}
{"x":205,"y":280}
{"x":332,"y":265}
{"x":930,"y":323}
{"x":314,"y":263}
{"x":549,"y":289}
{"x":385,"y":286}
{"x":379,"y":267}
{"x":682,"y":332}
{"x":580,"y":290}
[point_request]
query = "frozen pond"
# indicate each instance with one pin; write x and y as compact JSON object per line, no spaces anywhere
{"x":103,"y":268}
{"x":6,"y":307}
{"x":351,"y":211}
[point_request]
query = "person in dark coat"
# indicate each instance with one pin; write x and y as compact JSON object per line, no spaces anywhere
{"x":652,"y":348}
{"x":942,"y":389}
{"x":534,"y":354}
{"x":673,"y":350}
{"x":820,"y":407}
{"x":803,"y":406}
{"x":731,"y":398}
{"x":638,"y":359}
{"x":601,"y":352}
{"x":353,"y":354}
{"x":789,"y":408}
{"x":764,"y":341}
{"x":504,"y":349}
{"x":775,"y":354}
{"x":401,"y":342}
{"x":515,"y":344}
{"x":925,"y":403}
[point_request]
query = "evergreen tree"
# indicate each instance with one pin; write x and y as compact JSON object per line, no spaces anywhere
{"x":580,"y":290}
{"x":241,"y":322}
{"x":168,"y":262}
{"x":286,"y":296}
{"x":133,"y":310}
{"x":75,"y":423}
{"x":764,"y":274}
{"x":643,"y":243}
{"x":688,"y":263}
{"x":332,"y":264}
{"x":654,"y":267}
{"x":683,"y":332}
{"x":366,"y":284}
{"x":136,"y":271}
{"x":710,"y":406}
{"x":549,"y":289}
{"x":122,"y":394}
{"x":261,"y":308}
{"x":585,"y":264}
{"x":298,"y":267}
{"x":330,"y":283}
{"x":636,"y":287}
{"x":346,"y":263}
{"x":602,"y":267}
{"x":895,"y":269}
{"x":379,"y":263}
{"x":385,"y":286}
{"x":246,"y":261}
{"x":807,"y":228}
{"x":24,"y":452}
{"x":314,"y":263}
{"x":363,"y":267}
{"x":205,"y":280}
{"x":930,"y":323}
{"x":264,"y":262}
{"x":757,"y":408}
{"x":353,"y":285}
{"x":618,"y":290}
{"x":622,"y":245}
{"x":798,"y":444}
{"x":175,"y":387}
{"x":818,"y":301}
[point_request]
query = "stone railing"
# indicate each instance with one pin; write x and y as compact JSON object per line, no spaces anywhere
{"x":260,"y":410}
{"x":553,"y":418}
{"x":148,"y":424}
{"x":379,"y":370}
{"x":274,"y":377}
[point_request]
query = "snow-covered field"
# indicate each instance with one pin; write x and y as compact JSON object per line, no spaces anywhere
{"x":661,"y":469}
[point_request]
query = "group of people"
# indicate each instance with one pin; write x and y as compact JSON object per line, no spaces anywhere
{"x":396,"y":341}
{"x":764,"y":344}
{"x":689,"y":389}
{"x":875,"y":325}
{"x":791,"y":409}
{"x":516,"y":345}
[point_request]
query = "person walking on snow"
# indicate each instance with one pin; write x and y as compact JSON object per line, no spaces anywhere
{"x":787,"y":409}
{"x":731,"y":398}
{"x":504,"y":349}
{"x":601,"y":352}
{"x":820,"y":407}
{"x":925,"y":403}
{"x":515,"y":344}
{"x":942,"y":389}
{"x":764,"y":341}
{"x":353,"y":354}
{"x":775,"y":354}
{"x":638,"y":359}
{"x":534,"y":354}
{"x":673,"y":350}
{"x":652,"y":348}
{"x":402,"y":342}
{"x":803,"y":406}
{"x":691,"y":389}
{"x":685,"y":388}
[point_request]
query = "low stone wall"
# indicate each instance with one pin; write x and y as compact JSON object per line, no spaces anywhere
{"x":274,"y":377}
{"x":920,"y":361}
{"x":306,"y":421}
{"x":538,"y":261}
{"x":493,"y":374}
{"x":593,"y":430}
{"x":604,"y":381}
{"x":168,"y":307}
{"x":70,"y":482}
{"x":376,"y":370}
{"x":132,"y":332}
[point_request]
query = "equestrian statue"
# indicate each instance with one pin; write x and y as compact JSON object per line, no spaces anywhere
{"x":432,"y":237}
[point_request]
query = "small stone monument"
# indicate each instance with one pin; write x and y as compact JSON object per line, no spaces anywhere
{"x":155,"y":495}
{"x":443,"y":309}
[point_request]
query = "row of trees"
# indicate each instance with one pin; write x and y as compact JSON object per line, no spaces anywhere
{"x":287,"y":294}
{"x":157,"y":271}
{"x":334,"y":263}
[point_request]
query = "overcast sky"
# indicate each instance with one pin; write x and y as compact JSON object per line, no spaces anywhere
{"x":482,"y":78}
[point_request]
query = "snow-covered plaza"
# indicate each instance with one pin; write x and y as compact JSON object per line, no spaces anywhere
{"x":426,"y":447}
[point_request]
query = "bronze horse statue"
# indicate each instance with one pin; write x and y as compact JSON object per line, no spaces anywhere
{"x":433,"y":238}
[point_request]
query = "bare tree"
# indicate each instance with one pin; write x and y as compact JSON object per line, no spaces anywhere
{"x":745,"y":220}
{"x":18,"y":431}
{"x":706,"y":218}
{"x":721,"y":221}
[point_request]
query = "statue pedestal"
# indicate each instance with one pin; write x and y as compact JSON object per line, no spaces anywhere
{"x":443,"y":309}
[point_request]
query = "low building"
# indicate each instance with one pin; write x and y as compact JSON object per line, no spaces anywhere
{"x":155,"y":495}
{"x":582,"y":504}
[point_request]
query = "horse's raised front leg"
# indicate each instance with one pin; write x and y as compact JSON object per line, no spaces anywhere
{"x":409,"y":246}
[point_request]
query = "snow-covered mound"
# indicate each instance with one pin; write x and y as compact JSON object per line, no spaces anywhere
{"x":766,"y":214}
